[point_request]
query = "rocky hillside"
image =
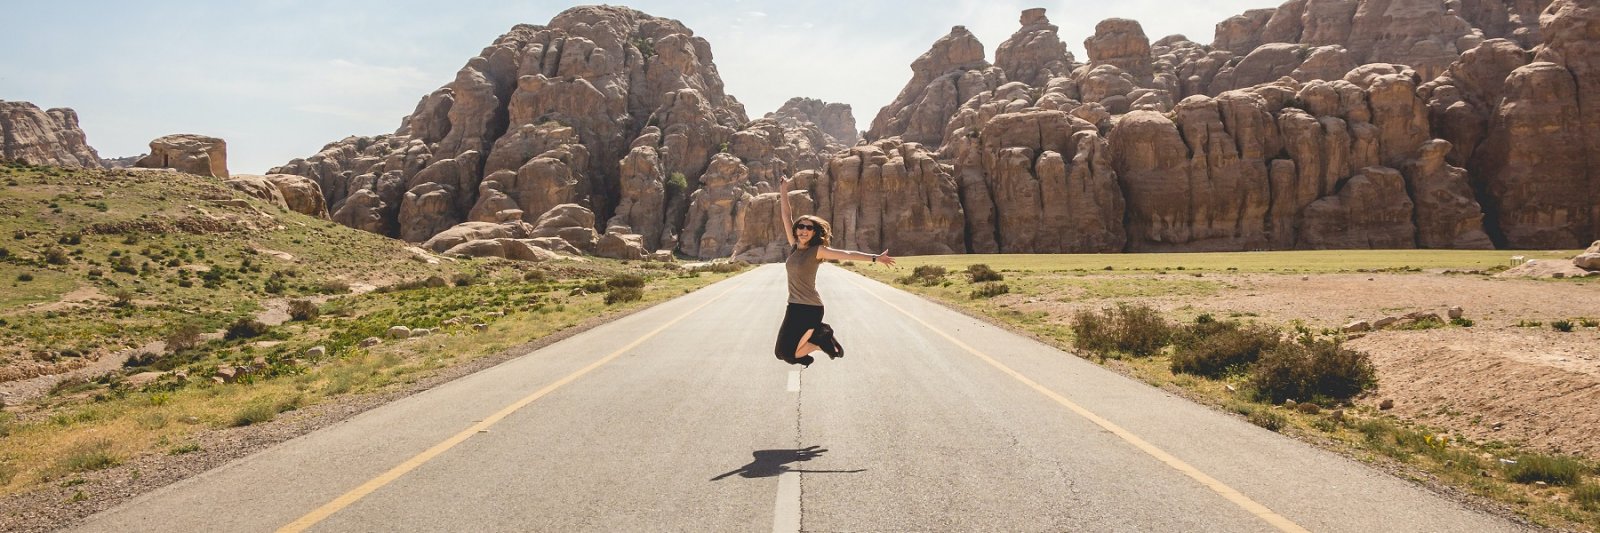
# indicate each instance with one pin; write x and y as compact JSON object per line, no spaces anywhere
{"x":1329,"y":124}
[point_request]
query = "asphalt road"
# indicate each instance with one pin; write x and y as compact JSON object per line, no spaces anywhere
{"x":678,"y":418}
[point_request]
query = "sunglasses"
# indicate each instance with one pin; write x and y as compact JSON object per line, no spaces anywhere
{"x":807,"y":227}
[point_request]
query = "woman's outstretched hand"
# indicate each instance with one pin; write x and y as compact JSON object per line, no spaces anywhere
{"x":885,"y":258}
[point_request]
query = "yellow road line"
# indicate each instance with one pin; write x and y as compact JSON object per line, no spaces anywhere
{"x":1232,"y":495}
{"x":356,"y":494}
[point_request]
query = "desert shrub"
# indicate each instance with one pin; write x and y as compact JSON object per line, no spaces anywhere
{"x":1132,"y":329}
{"x":1213,"y":349}
{"x":24,"y":277}
{"x":1585,"y":322}
{"x":92,"y":455}
{"x":1551,"y":469}
{"x":1563,"y":325}
{"x":465,"y":280}
{"x":303,"y":310}
{"x":334,"y":286}
{"x":5,"y":253}
{"x":123,"y":297}
{"x":722,"y":268}
{"x":1311,"y":369}
{"x":275,"y":284}
{"x":141,"y":359}
{"x":57,"y":256}
{"x":536,"y":276}
{"x":1463,"y":322}
{"x":623,"y":294}
{"x":183,"y":337}
{"x":1586,"y":496}
{"x":245,"y":328}
{"x":71,"y":239}
{"x":255,"y":413}
{"x":1267,"y":418}
{"x":981,"y":273}
{"x":989,"y":290}
{"x":928,"y":275}
{"x":623,"y":281}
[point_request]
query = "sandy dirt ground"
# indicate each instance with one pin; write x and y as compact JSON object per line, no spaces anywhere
{"x":1494,"y":381}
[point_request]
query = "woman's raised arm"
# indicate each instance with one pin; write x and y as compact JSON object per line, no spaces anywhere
{"x":784,"y":218}
{"x":835,"y":254}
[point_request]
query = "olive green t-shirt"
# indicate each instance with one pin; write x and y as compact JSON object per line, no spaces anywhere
{"x":802,"y":266}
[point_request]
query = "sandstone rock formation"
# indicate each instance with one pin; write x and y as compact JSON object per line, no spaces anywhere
{"x":550,"y":111}
{"x":37,"y":137}
{"x":190,"y":153}
{"x":1317,"y":124}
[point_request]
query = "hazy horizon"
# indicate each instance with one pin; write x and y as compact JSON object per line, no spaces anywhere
{"x":278,"y":79}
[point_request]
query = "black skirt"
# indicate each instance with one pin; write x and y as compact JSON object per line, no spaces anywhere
{"x":796,"y":321}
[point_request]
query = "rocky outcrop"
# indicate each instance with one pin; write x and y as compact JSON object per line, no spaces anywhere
{"x":944,"y":77}
{"x":258,"y":187}
{"x":1371,"y":211}
{"x":300,"y":194}
{"x":190,"y":153}
{"x":551,"y":112}
{"x":891,"y":195}
{"x":1447,"y":214}
{"x":38,"y":137}
{"x":712,"y":228}
{"x":1034,"y":54}
{"x":571,"y":223}
{"x":834,"y":119}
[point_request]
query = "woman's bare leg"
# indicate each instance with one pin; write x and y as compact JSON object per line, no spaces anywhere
{"x":805,"y":345}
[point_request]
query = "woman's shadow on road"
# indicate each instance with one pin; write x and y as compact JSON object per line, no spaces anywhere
{"x":768,"y":463}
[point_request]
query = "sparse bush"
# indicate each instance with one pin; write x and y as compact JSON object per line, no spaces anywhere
{"x":1463,"y":322}
{"x":989,"y":290}
{"x":92,"y":455}
{"x":1586,"y":496}
{"x":927,"y":275}
{"x":1555,"y":470}
{"x":981,"y":273}
{"x":5,"y":253}
{"x":464,"y":280}
{"x":624,"y":281}
{"x":24,"y":277}
{"x":1585,"y":322}
{"x":183,"y":337}
{"x":57,"y":256}
{"x":1132,"y":329}
{"x":245,"y":328}
{"x":71,"y":239}
{"x":1564,"y":326}
{"x":303,"y":310}
{"x":1310,"y":369}
{"x":536,"y":276}
{"x":623,"y":294}
{"x":124,"y":297}
{"x":1213,"y":349}
{"x":723,"y":268}
{"x":1267,"y":418}
{"x":255,"y":413}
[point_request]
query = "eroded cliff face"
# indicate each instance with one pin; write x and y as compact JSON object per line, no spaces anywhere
{"x":1318,"y":124}
{"x":40,"y":137}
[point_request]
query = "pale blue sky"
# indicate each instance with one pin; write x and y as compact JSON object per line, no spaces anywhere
{"x":280,"y":78}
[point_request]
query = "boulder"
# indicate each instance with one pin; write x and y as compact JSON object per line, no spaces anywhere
{"x":189,"y":153}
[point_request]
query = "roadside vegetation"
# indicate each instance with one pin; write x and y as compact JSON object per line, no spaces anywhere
{"x":1288,"y":378}
{"x":230,"y":313}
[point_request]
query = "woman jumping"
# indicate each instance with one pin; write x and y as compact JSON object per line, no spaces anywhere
{"x":802,"y":331}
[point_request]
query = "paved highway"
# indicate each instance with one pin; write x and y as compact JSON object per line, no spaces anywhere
{"x":678,"y":418}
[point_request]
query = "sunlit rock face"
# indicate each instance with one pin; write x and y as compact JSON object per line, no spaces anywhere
{"x":1315,"y":124}
{"x":39,"y":137}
